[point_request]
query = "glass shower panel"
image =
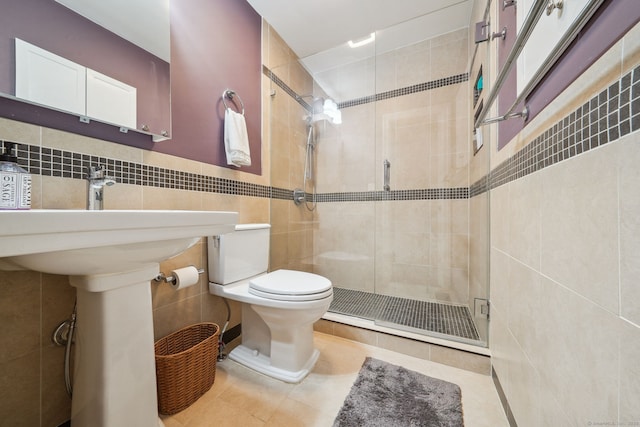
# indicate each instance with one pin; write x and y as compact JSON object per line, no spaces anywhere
{"x":344,"y":242}
{"x":422,"y":222}
{"x":292,"y":225}
{"x":410,"y":253}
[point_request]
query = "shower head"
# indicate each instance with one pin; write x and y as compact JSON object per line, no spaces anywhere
{"x":324,"y":109}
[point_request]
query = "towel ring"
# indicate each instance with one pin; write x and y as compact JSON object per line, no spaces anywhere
{"x":228,"y":93}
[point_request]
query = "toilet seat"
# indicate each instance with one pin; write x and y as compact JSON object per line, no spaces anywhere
{"x":289,"y":285}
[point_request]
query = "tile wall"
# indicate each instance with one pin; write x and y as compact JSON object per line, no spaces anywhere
{"x":565,"y":205}
{"x":292,"y":225}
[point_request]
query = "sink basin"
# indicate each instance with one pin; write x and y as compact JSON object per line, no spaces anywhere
{"x":110,"y":256}
{"x":80,"y":242}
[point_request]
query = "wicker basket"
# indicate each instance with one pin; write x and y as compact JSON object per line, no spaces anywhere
{"x":185,"y":366}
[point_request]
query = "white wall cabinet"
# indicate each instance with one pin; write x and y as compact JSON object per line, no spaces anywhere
{"x":547,"y":33}
{"x":110,"y":100}
{"x":51,"y":80}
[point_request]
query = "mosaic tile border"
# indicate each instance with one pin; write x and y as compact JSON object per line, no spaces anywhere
{"x":282,"y":85}
{"x":408,"y":90}
{"x":47,"y":161}
{"x":608,"y":116}
{"x":372,"y":196}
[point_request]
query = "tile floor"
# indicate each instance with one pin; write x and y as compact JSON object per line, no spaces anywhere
{"x":241,"y":397}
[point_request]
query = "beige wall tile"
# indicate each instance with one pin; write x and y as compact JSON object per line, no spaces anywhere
{"x":629,"y":205}
{"x":20,"y":313}
{"x":566,"y":329}
{"x":524,"y":386}
{"x":163,"y":294}
{"x":123,"y":196}
{"x":500,"y":218}
{"x":500,"y":265}
{"x":413,"y":64}
{"x":172,"y":317}
{"x":524,"y":216}
{"x":58,"y":299}
{"x":460,"y":359}
{"x":82,"y":144}
{"x":56,"y":407}
{"x":279,"y":253}
{"x":356,"y":334}
{"x":478,"y":248}
{"x":20,"y":132}
{"x":64,"y":193}
{"x":413,"y":348}
{"x":214,"y":310}
{"x":579,"y":236}
{"x":501,"y":344}
{"x":171,"y":199}
{"x":629,"y":373}
{"x":450,"y":54}
{"x":524,"y":308}
{"x":20,"y":391}
{"x":580,"y":356}
{"x":631,"y":49}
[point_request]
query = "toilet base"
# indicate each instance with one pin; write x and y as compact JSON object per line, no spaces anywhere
{"x":261,"y":363}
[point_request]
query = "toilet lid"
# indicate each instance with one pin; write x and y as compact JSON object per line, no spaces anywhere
{"x":289,"y":285}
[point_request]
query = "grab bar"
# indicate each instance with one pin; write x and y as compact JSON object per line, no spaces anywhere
{"x":387,"y":175}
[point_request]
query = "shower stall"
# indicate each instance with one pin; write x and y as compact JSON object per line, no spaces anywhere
{"x":385,"y":208}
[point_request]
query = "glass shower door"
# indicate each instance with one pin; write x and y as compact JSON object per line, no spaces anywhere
{"x":422,"y":225}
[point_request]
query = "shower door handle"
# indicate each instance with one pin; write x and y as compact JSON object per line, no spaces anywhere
{"x":387,"y":175}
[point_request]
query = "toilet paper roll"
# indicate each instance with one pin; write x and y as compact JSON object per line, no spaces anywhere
{"x":184,"y":277}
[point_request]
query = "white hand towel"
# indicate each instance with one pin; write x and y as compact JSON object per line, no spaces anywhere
{"x":236,"y":141}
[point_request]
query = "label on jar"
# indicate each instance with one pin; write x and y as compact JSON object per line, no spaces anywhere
{"x":24,"y":201}
{"x":9,"y":190}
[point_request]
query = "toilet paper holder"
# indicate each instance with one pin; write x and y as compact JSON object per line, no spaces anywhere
{"x":161,"y":277}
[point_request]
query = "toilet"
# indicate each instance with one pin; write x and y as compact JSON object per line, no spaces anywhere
{"x":279,"y":308}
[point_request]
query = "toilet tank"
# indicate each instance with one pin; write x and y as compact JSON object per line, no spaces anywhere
{"x":239,"y":255}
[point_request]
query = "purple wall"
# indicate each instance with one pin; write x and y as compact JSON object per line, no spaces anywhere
{"x":59,"y":30}
{"x":214,"y":45}
{"x":610,"y":23}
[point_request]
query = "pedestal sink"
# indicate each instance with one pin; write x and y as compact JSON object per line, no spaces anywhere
{"x":110,"y":257}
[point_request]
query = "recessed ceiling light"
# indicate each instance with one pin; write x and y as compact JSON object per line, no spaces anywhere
{"x":362,"y":42}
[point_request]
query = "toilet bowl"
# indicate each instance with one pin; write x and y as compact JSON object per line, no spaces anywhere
{"x":279,"y":308}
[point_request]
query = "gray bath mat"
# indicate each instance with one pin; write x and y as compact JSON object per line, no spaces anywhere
{"x":387,"y":395}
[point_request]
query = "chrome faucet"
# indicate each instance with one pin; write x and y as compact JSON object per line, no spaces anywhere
{"x":96,"y":180}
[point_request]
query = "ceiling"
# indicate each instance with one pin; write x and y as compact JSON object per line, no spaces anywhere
{"x":316,"y":30}
{"x":311,"y":27}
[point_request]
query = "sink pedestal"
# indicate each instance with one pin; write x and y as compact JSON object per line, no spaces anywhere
{"x":110,"y":257}
{"x":114,"y":382}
